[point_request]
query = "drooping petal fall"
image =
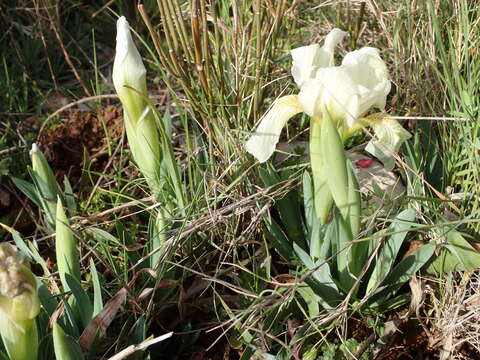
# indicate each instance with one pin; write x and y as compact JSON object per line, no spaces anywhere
{"x":263,"y":142}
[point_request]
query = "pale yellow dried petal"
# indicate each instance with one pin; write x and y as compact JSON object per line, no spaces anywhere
{"x":389,"y":137}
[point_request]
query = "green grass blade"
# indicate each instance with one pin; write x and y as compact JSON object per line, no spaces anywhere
{"x":278,"y":239}
{"x":97,"y":290}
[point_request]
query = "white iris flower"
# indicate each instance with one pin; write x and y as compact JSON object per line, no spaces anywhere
{"x":347,"y":92}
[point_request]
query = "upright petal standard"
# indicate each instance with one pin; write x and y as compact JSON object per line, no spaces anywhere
{"x":308,"y":59}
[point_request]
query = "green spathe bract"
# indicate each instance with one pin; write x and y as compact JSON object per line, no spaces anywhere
{"x":323,"y":199}
{"x":19,"y":338}
{"x":335,"y":164}
{"x":42,"y":169}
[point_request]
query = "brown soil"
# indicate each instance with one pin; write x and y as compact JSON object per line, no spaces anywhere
{"x":408,"y":342}
{"x":64,"y":145}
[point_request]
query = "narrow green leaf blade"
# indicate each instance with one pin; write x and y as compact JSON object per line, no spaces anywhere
{"x":97,"y":290}
{"x":28,"y":189}
{"x":456,"y":255}
{"x":391,"y":247}
{"x":278,"y":239}
{"x":66,"y":348}
{"x":403,"y":272}
{"x":82,"y":301}
{"x":321,"y":282}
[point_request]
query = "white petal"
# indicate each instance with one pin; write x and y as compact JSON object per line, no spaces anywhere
{"x":366,"y":67}
{"x":34,"y":148}
{"x":389,"y":137}
{"x":123,"y":39}
{"x":333,"y":38}
{"x":332,"y":90}
{"x":369,"y":98}
{"x":263,"y":142}
{"x":308,"y":59}
{"x":304,"y":60}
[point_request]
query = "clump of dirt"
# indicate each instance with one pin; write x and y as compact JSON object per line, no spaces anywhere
{"x":64,"y":145}
{"x":409,"y":342}
{"x":403,"y":339}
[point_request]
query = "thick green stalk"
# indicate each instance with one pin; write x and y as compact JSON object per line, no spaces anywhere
{"x":157,"y":237}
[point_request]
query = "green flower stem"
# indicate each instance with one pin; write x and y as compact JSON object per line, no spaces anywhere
{"x":158,"y":238}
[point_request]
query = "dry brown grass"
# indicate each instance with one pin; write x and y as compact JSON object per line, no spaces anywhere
{"x":454,"y":317}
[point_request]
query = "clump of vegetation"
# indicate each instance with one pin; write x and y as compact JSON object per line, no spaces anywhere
{"x":170,"y":241}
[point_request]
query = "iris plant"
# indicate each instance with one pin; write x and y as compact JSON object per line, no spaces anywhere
{"x":336,"y":98}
